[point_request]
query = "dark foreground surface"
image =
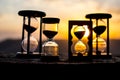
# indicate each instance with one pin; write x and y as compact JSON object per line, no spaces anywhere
{"x":35,"y":68}
{"x":12,"y":63}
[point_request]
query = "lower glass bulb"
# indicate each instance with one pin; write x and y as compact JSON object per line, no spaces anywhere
{"x":50,"y":48}
{"x":33,"y":44}
{"x":101,"y":44}
{"x":80,"y":47}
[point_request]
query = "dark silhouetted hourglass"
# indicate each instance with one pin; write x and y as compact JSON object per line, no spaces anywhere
{"x":80,"y":48}
{"x":50,"y":48}
{"x":30,"y":25}
{"x":101,"y":46}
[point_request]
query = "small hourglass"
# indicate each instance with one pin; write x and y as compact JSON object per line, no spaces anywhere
{"x":80,"y":47}
{"x":50,"y":47}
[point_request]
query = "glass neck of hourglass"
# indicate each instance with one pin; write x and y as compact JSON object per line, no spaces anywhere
{"x":97,"y":35}
{"x":50,"y":39}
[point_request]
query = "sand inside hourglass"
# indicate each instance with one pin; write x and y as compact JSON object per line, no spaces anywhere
{"x":50,"y":34}
{"x":29,"y":28}
{"x":79,"y":34}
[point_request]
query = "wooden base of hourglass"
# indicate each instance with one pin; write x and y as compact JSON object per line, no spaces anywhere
{"x":49,"y":58}
{"x":104,"y":56}
{"x":35,"y":55}
{"x":89,"y":58}
{"x":25,"y":55}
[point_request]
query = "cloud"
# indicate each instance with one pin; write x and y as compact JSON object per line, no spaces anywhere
{"x":1,"y":14}
{"x":109,"y":5}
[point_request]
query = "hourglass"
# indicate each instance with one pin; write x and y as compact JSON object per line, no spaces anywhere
{"x":100,"y":46}
{"x":30,"y":25}
{"x":78,"y":49}
{"x":50,"y":47}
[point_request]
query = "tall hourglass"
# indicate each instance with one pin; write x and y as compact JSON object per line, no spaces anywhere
{"x":101,"y":47}
{"x":80,"y":47}
{"x":50,"y":47}
{"x":30,"y":24}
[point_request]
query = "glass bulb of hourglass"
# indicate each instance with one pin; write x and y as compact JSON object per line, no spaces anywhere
{"x":50,"y":48}
{"x":99,"y":29}
{"x":79,"y":32}
{"x":80,"y":48}
{"x":33,"y":44}
{"x":101,"y":44}
{"x":33,"y":25}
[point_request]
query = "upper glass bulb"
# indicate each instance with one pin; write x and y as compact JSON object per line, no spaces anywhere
{"x":80,"y":47}
{"x":79,"y":31}
{"x":33,"y":25}
{"x":99,"y":29}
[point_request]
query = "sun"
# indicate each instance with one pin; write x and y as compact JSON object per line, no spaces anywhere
{"x":86,"y":31}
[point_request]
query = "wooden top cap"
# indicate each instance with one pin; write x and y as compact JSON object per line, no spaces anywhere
{"x":51,"y":20}
{"x":32,"y":13}
{"x":98,"y":16}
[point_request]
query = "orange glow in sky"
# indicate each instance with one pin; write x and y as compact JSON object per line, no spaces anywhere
{"x":11,"y":22}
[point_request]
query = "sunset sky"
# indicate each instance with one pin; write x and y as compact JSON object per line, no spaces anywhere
{"x":11,"y":22}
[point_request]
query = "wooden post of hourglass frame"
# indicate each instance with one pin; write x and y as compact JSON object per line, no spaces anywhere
{"x":23,"y":32}
{"x":70,"y":41}
{"x":99,"y":30}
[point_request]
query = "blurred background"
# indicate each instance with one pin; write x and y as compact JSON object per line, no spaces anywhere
{"x":11,"y":22}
